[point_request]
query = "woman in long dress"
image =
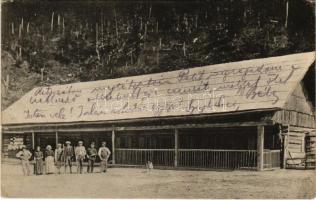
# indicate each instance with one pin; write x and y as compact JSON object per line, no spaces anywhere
{"x":38,"y":157}
{"x":49,"y":160}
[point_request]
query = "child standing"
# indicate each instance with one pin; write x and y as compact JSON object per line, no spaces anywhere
{"x":38,"y":158}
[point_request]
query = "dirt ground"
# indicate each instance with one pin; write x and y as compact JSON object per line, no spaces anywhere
{"x":137,"y":183}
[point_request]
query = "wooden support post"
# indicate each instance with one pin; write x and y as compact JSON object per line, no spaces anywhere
{"x":285,"y":151}
{"x":285,"y":144}
{"x":176,"y":145}
{"x":33,"y":140}
{"x":56,"y":137}
{"x":303,"y":143}
{"x":113,"y":147}
{"x":260,"y":147}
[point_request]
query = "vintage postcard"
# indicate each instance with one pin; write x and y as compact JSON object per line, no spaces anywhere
{"x":158,"y":99}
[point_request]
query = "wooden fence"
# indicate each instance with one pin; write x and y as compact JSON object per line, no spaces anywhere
{"x":198,"y":158}
{"x":217,"y":158}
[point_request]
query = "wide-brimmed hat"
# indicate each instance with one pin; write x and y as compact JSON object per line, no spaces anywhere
{"x":68,"y":142}
{"x":80,"y":142}
{"x":48,"y":147}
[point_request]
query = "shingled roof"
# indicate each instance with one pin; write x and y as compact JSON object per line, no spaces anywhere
{"x":259,"y":84}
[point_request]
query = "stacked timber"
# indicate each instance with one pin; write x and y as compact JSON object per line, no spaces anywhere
{"x":295,"y":148}
{"x":311,"y":150}
{"x":11,"y":145}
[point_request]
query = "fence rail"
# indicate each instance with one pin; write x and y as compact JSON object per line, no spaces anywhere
{"x":198,"y":158}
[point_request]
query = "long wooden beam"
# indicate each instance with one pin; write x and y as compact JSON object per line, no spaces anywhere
{"x":56,"y":137}
{"x":176,"y":147}
{"x":113,"y":147}
{"x":15,"y":132}
{"x":33,"y":140}
{"x":285,"y":146}
{"x":111,"y":122}
{"x":135,"y":128}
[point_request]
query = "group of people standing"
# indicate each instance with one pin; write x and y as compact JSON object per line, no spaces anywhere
{"x":63,"y":156}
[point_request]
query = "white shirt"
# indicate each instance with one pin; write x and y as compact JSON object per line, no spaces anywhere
{"x":107,"y":152}
{"x":24,"y":155}
{"x":80,"y":151}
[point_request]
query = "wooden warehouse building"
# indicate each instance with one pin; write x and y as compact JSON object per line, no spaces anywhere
{"x":253,"y":114}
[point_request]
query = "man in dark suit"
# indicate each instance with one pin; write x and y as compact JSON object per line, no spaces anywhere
{"x":92,"y":155}
{"x":68,"y":154}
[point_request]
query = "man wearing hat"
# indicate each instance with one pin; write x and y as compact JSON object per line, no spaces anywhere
{"x":59,"y":157}
{"x":80,"y":153}
{"x":68,"y":153}
{"x":104,"y":154}
{"x":92,"y":155}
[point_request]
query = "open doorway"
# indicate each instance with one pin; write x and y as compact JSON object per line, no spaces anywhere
{"x":44,"y":139}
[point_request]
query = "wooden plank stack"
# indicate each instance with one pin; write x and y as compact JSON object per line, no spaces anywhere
{"x":11,"y":145}
{"x":311,"y":150}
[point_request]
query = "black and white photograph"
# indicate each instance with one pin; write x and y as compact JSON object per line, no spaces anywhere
{"x":165,"y":99}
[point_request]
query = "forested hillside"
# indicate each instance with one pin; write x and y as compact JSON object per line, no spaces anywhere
{"x":54,"y":42}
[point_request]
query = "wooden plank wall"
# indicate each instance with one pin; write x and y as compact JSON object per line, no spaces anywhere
{"x":296,"y":146}
{"x":300,"y":101}
{"x":298,"y":110}
{"x":311,"y":150}
{"x":294,"y":118}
